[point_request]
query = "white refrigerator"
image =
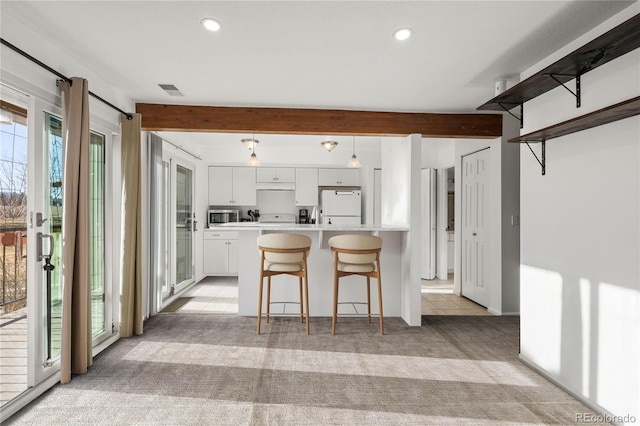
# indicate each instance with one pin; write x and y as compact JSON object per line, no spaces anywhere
{"x":341,"y":207}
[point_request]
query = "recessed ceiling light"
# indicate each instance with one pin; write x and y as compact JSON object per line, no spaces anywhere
{"x":402,"y":33}
{"x":210,"y":24}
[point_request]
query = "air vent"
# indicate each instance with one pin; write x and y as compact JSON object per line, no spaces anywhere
{"x":170,"y":89}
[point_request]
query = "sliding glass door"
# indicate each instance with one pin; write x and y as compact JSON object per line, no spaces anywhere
{"x":177,"y":240}
{"x":184,"y":226}
{"x":31,"y":198}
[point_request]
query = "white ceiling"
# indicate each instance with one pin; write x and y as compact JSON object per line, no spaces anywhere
{"x":312,"y":54}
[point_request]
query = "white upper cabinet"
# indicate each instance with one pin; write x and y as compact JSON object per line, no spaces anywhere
{"x":232,"y":186}
{"x":244,"y":186}
{"x":276,"y":174}
{"x":306,"y":186}
{"x":339,"y":177}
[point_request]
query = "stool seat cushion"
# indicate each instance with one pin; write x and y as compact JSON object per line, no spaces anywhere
{"x":283,"y":267}
{"x":356,"y":267}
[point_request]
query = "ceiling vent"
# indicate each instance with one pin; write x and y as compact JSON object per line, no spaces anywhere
{"x":170,"y":89}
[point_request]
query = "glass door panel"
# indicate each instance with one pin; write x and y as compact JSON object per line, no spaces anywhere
{"x":165,"y":239}
{"x":183,"y":225}
{"x":97,"y":233}
{"x":50,"y":236}
{"x":13,"y":255}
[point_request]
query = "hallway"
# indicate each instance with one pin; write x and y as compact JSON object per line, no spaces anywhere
{"x":438,"y":299}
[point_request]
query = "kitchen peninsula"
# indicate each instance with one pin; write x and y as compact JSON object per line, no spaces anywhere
{"x":320,"y":265}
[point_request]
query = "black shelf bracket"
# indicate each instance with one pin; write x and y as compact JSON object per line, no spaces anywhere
{"x":508,"y":110}
{"x":543,"y":161}
{"x":576,"y":93}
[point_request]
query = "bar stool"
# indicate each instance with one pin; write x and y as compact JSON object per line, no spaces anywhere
{"x":356,"y":255}
{"x":284,"y":254}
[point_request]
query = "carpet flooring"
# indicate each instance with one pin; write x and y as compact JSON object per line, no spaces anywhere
{"x":190,"y":369}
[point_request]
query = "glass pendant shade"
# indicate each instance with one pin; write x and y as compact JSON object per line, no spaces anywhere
{"x":329,"y":145}
{"x":354,"y":162}
{"x":253,"y":160}
{"x":250,"y":143}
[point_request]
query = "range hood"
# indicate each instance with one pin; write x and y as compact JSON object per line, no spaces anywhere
{"x":275,"y":186}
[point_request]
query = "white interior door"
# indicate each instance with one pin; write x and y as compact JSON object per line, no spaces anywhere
{"x":475,"y":197}
{"x":428,"y":267}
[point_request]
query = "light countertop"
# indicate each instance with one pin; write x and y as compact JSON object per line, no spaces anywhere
{"x":257,"y":226}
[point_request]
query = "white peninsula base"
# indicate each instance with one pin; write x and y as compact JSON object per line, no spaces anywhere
{"x":320,"y":264}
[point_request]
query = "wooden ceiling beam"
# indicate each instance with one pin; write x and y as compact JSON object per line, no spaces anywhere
{"x":189,"y":118}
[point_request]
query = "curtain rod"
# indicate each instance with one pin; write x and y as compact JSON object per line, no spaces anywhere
{"x":63,"y":77}
{"x":177,"y":146}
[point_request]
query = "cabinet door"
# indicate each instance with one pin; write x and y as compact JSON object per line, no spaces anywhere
{"x":233,"y":256}
{"x":339,"y":177}
{"x":266,"y":174}
{"x":349,"y":177}
{"x":328,"y":177}
{"x":306,"y":187}
{"x":286,"y":174}
{"x":273,"y":174}
{"x":220,"y":186}
{"x":216,"y":257}
{"x":244,"y":186}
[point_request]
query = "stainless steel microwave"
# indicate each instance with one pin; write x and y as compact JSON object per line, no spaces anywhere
{"x":216,"y":216}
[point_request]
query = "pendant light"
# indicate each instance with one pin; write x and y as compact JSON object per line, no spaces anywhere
{"x":251,"y":144}
{"x":253,"y":160}
{"x":329,"y":145}
{"x":354,"y":162}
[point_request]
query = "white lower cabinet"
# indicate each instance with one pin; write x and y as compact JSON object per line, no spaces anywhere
{"x":220,"y":254}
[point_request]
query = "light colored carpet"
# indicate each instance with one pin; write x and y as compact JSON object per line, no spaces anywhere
{"x":214,"y":370}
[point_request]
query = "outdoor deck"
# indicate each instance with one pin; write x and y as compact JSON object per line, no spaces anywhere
{"x":13,"y":354}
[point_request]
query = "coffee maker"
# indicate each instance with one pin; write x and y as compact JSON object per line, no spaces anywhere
{"x":303,"y":216}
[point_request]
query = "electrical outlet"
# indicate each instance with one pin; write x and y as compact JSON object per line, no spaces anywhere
{"x":515,"y":220}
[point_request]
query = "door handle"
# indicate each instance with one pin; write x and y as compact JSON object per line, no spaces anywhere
{"x":41,"y":255}
{"x":474,"y":234}
{"x":39,"y":220}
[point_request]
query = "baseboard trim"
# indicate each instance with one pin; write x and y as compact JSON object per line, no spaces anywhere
{"x":590,"y":404}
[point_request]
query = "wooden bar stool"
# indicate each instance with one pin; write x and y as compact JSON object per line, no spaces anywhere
{"x":284,"y":254}
{"x":356,"y":255}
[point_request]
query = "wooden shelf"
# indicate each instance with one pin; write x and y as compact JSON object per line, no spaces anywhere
{"x":618,"y":41}
{"x":612,"y":113}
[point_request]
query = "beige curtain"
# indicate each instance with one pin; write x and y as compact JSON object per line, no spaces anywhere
{"x":131,"y":299}
{"x":76,"y":351}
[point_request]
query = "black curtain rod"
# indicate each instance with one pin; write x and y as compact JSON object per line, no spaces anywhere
{"x":63,"y":77}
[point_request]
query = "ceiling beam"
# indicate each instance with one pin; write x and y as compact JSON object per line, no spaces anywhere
{"x":189,"y":118}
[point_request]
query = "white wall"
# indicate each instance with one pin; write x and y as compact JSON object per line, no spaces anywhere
{"x":401,"y":205}
{"x":580,"y":234}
